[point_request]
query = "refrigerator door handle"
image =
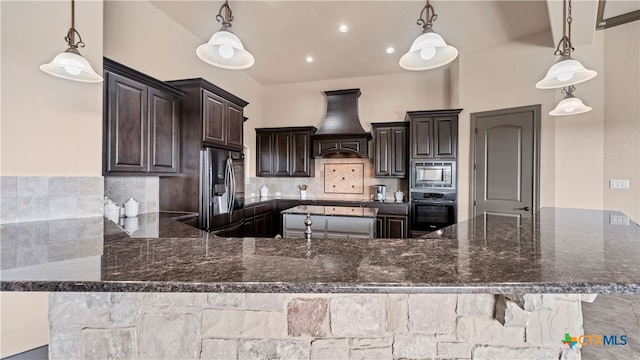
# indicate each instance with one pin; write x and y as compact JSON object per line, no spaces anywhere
{"x":233,"y":185}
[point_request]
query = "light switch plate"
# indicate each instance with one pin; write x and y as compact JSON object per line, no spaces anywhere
{"x":618,"y":220}
{"x":618,"y":183}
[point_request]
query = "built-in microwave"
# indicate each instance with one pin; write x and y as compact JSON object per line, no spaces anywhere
{"x":433,"y":175}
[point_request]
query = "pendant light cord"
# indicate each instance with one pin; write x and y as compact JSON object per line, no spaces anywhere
{"x":429,"y":18}
{"x":70,"y":38}
{"x":565,"y":42}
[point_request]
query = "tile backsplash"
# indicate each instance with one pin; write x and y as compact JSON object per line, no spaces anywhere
{"x":144,"y":189}
{"x":38,"y":198}
{"x":289,"y":187}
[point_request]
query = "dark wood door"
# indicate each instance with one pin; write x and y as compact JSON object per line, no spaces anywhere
{"x":422,"y":138}
{"x":213,"y":114}
{"x":445,"y":136}
{"x":163,"y":132}
{"x":249,"y":230}
{"x":380,"y":228}
{"x":300,"y":153}
{"x":235,"y":125}
{"x":397,"y":227}
{"x":383,"y":147}
{"x":282,"y":153}
{"x":504,"y":154}
{"x":264,"y":153}
{"x":126,"y":125}
{"x":268,"y":225}
{"x":398,"y":153}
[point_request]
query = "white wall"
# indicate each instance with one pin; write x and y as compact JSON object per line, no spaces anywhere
{"x":622,"y":117}
{"x":49,"y":126}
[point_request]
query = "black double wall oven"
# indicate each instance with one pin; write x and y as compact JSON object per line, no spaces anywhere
{"x":433,"y":195}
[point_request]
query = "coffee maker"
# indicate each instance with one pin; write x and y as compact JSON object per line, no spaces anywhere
{"x":379,"y":192}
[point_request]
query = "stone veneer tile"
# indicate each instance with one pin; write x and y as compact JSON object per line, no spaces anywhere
{"x":273,"y":349}
{"x":90,"y":205}
{"x":397,"y":313}
{"x":415,"y":346}
{"x":545,"y":327}
{"x":64,"y":345}
{"x":270,"y":302}
{"x":173,"y":300}
{"x":8,"y":187}
{"x":476,"y":305}
{"x":169,"y":336}
{"x":488,"y":332}
{"x":432,"y":313}
{"x":219,"y":349}
{"x":501,"y":352}
{"x":33,"y":186}
{"x":246,"y":324}
{"x":454,"y":350}
{"x":372,"y":354}
{"x":223,"y":300}
{"x":307,"y":317}
{"x":63,"y":186}
{"x":360,"y":315}
{"x":108,"y":343}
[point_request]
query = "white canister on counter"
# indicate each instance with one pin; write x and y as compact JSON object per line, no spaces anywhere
{"x":264,"y":191}
{"x":111,"y":211}
{"x":399,"y":195}
{"x":131,"y":208}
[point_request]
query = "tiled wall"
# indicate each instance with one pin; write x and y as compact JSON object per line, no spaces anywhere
{"x":31,"y":198}
{"x":289,"y":187}
{"x":144,"y":189}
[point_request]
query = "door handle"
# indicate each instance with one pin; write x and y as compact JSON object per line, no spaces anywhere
{"x":526,"y":208}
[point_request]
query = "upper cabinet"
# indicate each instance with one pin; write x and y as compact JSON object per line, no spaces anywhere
{"x":217,"y":114}
{"x":141,"y":123}
{"x":284,"y":152}
{"x":390,"y":149}
{"x":434,"y":134}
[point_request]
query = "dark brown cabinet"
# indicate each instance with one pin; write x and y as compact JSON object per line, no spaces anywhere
{"x":392,"y":220}
{"x":284,"y":152}
{"x":213,"y":113}
{"x":141,"y":123}
{"x":222,"y":121}
{"x":258,"y":220}
{"x":390,"y":154}
{"x":434,"y":134}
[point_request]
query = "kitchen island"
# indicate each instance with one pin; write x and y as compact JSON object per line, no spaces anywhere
{"x":329,"y":222}
{"x":485,"y":288}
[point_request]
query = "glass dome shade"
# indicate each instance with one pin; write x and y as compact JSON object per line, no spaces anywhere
{"x":71,"y":65}
{"x":566,"y":71}
{"x":225,"y":50}
{"x":428,"y":51}
{"x":570,"y":106}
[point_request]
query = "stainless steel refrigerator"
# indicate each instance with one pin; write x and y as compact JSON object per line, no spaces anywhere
{"x":222,"y":189}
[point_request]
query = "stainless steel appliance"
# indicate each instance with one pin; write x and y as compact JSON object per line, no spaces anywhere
{"x":432,"y":211}
{"x":222,"y":182}
{"x":379,"y":192}
{"x":433,"y":175}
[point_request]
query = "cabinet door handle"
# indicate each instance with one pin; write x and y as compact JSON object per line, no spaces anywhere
{"x":526,"y":208}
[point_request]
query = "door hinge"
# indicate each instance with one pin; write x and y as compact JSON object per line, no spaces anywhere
{"x":474,"y":166}
{"x":476,"y":130}
{"x":474,"y":203}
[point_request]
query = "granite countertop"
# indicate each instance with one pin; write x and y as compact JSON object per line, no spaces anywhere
{"x":557,"y":251}
{"x":345,"y":211}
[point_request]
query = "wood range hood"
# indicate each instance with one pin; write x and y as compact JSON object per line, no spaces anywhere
{"x":341,"y":134}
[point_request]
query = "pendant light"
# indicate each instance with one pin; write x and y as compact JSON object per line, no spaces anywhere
{"x":570,"y":105}
{"x":428,"y":50}
{"x":225,"y":49}
{"x":566,"y":71}
{"x":70,"y":64}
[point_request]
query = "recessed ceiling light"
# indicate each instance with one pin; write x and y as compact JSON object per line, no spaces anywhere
{"x":343,"y":28}
{"x":308,"y":59}
{"x":390,"y":50}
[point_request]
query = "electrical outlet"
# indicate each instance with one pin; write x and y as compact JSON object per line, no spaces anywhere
{"x":618,"y":220}
{"x":618,"y":183}
{"x":278,"y":193}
